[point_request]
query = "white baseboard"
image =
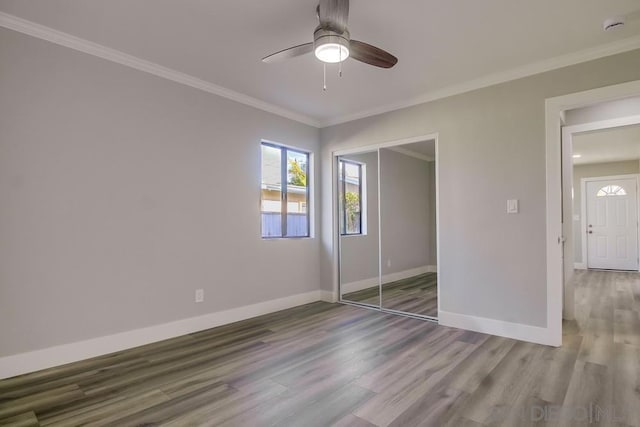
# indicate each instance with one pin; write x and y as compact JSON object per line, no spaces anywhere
{"x":501,"y":328}
{"x":405,"y":274}
{"x":387,"y":278}
{"x":328,"y":296}
{"x":580,"y":266}
{"x":23,"y":363}
{"x":359,"y":285}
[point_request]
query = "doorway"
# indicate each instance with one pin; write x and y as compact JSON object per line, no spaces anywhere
{"x":600,"y":141}
{"x":562,"y":219}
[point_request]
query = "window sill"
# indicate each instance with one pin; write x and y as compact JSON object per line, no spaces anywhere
{"x":288,"y":238}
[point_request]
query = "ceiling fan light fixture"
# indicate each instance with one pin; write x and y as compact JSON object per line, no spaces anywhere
{"x":332,"y":41}
{"x":329,"y":46}
{"x":332,"y":53}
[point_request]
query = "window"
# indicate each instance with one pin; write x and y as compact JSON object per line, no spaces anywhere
{"x":285,"y":192}
{"x":611,"y":190}
{"x":350,"y":192}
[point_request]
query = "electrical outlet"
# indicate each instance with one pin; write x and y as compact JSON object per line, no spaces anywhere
{"x":199,"y":295}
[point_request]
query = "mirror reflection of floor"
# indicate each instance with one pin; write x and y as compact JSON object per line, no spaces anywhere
{"x":417,"y":294}
{"x":364,"y":296}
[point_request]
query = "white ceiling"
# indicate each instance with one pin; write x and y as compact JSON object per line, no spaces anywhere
{"x":439,"y":44}
{"x":608,"y":145}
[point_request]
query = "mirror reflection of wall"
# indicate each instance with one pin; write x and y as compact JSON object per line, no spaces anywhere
{"x":358,"y":227}
{"x":408,"y":228}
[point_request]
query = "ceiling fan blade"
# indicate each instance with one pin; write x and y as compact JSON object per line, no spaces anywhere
{"x":333,"y":14}
{"x":371,"y":55}
{"x":291,"y":52}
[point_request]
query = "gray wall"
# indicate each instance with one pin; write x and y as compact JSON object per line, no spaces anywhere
{"x":122,"y":193}
{"x":491,"y":148}
{"x":359,"y":253}
{"x":408,"y":220}
{"x":590,"y":171}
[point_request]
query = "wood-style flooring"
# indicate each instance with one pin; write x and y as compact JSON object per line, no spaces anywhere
{"x":417,"y":295}
{"x":330,"y":364}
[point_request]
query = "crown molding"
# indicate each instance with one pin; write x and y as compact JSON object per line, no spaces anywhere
{"x":562,"y":61}
{"x":82,"y":45}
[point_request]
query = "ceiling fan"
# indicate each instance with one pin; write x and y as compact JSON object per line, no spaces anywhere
{"x":332,"y":42}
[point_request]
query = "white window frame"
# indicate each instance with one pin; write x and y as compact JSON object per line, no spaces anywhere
{"x":309,"y":204}
{"x":362,"y":199}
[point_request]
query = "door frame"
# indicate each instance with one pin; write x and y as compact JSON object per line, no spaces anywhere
{"x":336,"y":220}
{"x":567,"y":147}
{"x":556,"y":229}
{"x":583,"y":212}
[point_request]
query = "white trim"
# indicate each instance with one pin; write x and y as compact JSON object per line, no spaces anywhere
{"x":387,"y":144}
{"x":518,"y":331}
{"x":23,"y":363}
{"x":554,"y":228}
{"x":583,"y":223}
{"x":603,"y":124}
{"x":585,"y":55}
{"x":438,"y":251}
{"x":379,"y":186}
{"x":563,"y":117}
{"x":583,"y":209}
{"x":568,"y":251}
{"x":328,"y":296}
{"x":336,"y":241}
{"x":82,"y":45}
{"x":360,"y":285}
{"x":579,"y":266}
{"x":412,"y":154}
{"x":364,"y":202}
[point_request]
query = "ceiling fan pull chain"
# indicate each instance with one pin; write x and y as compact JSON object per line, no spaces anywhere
{"x":324,"y":76}
{"x":340,"y":64}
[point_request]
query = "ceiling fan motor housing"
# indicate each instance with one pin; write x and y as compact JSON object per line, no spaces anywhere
{"x":323,"y":36}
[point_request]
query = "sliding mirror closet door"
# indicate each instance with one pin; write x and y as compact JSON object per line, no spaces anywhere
{"x":408,"y":229}
{"x":358,"y":228}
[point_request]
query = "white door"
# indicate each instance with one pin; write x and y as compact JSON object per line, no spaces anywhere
{"x":612,"y":224}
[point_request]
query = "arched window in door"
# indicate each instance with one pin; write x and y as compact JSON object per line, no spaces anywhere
{"x":611,"y":190}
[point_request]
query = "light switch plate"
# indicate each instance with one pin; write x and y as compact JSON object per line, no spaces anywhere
{"x":512,"y":206}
